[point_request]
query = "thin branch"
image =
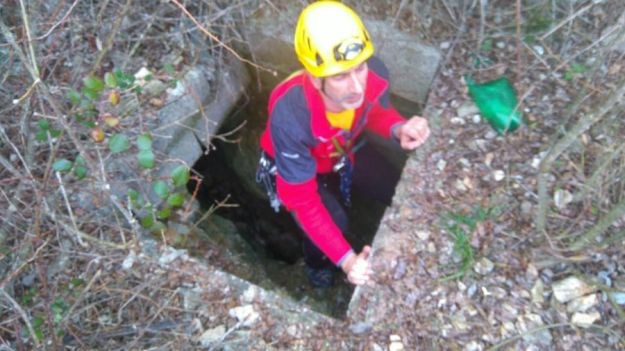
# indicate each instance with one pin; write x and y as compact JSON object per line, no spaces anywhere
{"x":21,"y":312}
{"x":616,"y":98}
{"x":59,"y":22}
{"x":222,"y":44}
{"x":606,"y":221}
{"x":568,"y":19}
{"x":69,"y":208}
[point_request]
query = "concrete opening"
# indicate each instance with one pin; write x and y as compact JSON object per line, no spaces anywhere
{"x":266,"y":246}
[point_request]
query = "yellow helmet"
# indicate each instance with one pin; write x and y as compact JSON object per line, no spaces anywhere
{"x":330,"y":38}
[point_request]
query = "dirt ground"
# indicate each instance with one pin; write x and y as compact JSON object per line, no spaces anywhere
{"x":473,"y":271}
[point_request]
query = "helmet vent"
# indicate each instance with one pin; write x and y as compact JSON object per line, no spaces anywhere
{"x":318,"y":59}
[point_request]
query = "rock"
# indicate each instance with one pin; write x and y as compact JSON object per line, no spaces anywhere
{"x":170,"y":255}
{"x":538,"y":49}
{"x":529,"y":322}
{"x":488,"y":159}
{"x":211,"y":335}
{"x":244,"y":314}
{"x":360,"y":328}
{"x":441,"y":164}
{"x":191,"y":298}
{"x":477,"y":119}
{"x":562,"y":198}
{"x":250,"y":294}
{"x":467,"y":108}
{"x":526,"y":208}
{"x":585,"y":320}
{"x":154,"y":88}
{"x":473,"y":346}
{"x":619,"y":297}
{"x":499,"y":175}
{"x":422,"y":234}
{"x":396,"y":344}
{"x":129,"y":260}
{"x":537,"y":292}
{"x":491,"y":134}
{"x":569,"y":288}
{"x":484,"y":266}
{"x":582,"y":304}
{"x":458,"y":121}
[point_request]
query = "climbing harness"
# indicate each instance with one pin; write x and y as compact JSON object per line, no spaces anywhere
{"x":344,"y":167}
{"x":266,"y":174}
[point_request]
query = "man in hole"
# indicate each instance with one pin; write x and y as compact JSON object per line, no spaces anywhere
{"x":311,"y":147}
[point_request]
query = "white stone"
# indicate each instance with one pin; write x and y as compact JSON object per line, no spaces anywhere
{"x":396,"y":344}
{"x":129,"y":260}
{"x":170,"y":255}
{"x":249,"y":295}
{"x":488,"y":159}
{"x":484,"y":266}
{"x":585,"y":320}
{"x":539,"y":49}
{"x":537,"y":292}
{"x":569,"y":288}
{"x":441,"y":164}
{"x":244,"y":314}
{"x":212,"y":335}
{"x":423,"y":235}
{"x":582,"y":304}
{"x":476,"y":119}
{"x":491,"y":134}
{"x":536,"y":162}
{"x":467,"y":108}
{"x":473,"y":346}
{"x":499,"y":175}
{"x":445,"y":45}
{"x":458,"y":121}
{"x":562,"y":198}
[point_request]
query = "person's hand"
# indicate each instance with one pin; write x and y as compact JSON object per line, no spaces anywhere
{"x":413,"y":133}
{"x":358,"y":268}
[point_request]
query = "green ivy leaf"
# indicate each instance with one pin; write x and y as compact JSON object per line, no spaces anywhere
{"x":41,"y":135}
{"x":147,"y":221}
{"x":118,"y":143}
{"x":36,"y":323}
{"x":487,"y":45}
{"x":94,"y":84}
{"x":164,"y":213}
{"x":62,"y":165}
{"x":110,"y":80}
{"x":73,"y":96}
{"x":124,"y":80}
{"x":180,"y":175}
{"x":146,"y":159}
{"x":43,"y":124}
{"x":80,"y":169}
{"x":175,"y":200}
{"x":160,"y":188}
{"x":76,"y":282}
{"x":133,"y":195}
{"x":578,"y":68}
{"x":91,"y":94}
{"x":144,"y":142}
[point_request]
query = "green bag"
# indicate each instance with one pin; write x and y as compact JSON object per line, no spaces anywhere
{"x":497,"y":102}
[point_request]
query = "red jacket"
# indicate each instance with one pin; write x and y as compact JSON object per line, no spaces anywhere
{"x":299,"y":137}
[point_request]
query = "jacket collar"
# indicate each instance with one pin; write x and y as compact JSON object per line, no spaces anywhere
{"x":320,"y":125}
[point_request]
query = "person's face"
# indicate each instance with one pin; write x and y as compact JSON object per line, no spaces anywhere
{"x":345,"y":90}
